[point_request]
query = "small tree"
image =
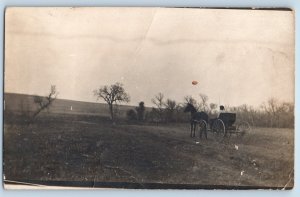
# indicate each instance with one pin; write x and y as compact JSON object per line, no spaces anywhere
{"x":44,"y":102}
{"x":140,"y":110}
{"x":112,"y":95}
{"x":152,"y":116}
{"x":190,"y":100}
{"x":171,"y":107}
{"x":204,"y":103}
{"x":131,"y":115}
{"x":158,"y":101}
{"x":271,"y":108}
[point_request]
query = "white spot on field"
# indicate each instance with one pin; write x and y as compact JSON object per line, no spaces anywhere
{"x":197,"y":142}
{"x":254,"y":162}
{"x":71,"y":108}
{"x":242,"y":173}
{"x":236,"y":147}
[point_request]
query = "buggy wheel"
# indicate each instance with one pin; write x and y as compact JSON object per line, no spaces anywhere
{"x":218,"y":130}
{"x":243,"y":128}
{"x":202,"y":128}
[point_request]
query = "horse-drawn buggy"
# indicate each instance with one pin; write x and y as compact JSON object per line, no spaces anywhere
{"x":223,"y":126}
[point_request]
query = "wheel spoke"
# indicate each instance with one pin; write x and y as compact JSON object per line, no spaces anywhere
{"x":218,"y":130}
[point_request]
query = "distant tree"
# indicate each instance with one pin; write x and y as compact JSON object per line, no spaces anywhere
{"x":286,"y":113}
{"x":44,"y":102}
{"x":271,"y":108}
{"x":152,"y":116}
{"x":203,"y":103}
{"x":140,"y":110}
{"x":149,"y":116}
{"x":213,"y":108}
{"x":131,"y":115}
{"x":112,"y":95}
{"x":245,"y":113}
{"x":190,"y":100}
{"x":170,"y":107}
{"x":158,"y":101}
{"x":279,"y":114}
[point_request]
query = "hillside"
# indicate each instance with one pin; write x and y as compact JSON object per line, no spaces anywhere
{"x":21,"y":103}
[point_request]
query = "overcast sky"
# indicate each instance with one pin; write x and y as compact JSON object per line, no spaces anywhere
{"x":237,"y":56}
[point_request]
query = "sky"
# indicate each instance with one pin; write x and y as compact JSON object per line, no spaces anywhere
{"x":237,"y":56}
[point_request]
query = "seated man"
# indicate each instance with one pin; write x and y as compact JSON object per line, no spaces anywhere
{"x":222,"y":110}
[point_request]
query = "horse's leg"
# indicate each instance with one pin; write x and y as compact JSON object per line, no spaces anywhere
{"x":203,"y":129}
{"x":200,"y":132}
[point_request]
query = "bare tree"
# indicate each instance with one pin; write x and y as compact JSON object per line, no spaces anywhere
{"x":279,"y":111}
{"x":271,"y":108}
{"x":158,"y":101}
{"x":112,"y":95}
{"x":204,"y":103}
{"x":44,"y":102}
{"x":131,"y":115}
{"x":140,"y":111}
{"x":245,"y":113}
{"x":190,"y":100}
{"x":170,"y":107}
{"x":286,"y":113}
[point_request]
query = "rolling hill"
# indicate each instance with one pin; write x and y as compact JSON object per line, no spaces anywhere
{"x":19,"y":103}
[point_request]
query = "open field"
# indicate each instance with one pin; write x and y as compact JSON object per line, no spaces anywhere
{"x":74,"y":147}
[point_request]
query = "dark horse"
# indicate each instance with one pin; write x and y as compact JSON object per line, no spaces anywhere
{"x":195,"y":118}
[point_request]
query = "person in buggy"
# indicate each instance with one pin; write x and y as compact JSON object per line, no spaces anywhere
{"x":221,"y":110}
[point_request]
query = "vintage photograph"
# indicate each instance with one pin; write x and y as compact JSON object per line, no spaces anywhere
{"x":148,"y":98}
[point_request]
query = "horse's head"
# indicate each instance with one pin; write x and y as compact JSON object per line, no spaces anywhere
{"x":190,"y":108}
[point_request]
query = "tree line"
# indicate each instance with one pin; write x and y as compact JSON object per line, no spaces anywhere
{"x":272,"y":113}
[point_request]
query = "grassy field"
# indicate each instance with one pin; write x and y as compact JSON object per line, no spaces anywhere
{"x":83,"y":147}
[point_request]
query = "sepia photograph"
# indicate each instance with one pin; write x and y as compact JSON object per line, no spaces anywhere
{"x":148,"y":98}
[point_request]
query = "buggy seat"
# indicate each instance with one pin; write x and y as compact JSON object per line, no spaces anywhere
{"x":228,"y":119}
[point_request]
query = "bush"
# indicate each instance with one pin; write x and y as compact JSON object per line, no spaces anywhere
{"x":131,"y":115}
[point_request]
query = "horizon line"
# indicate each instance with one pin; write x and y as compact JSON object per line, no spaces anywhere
{"x":130,"y":105}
